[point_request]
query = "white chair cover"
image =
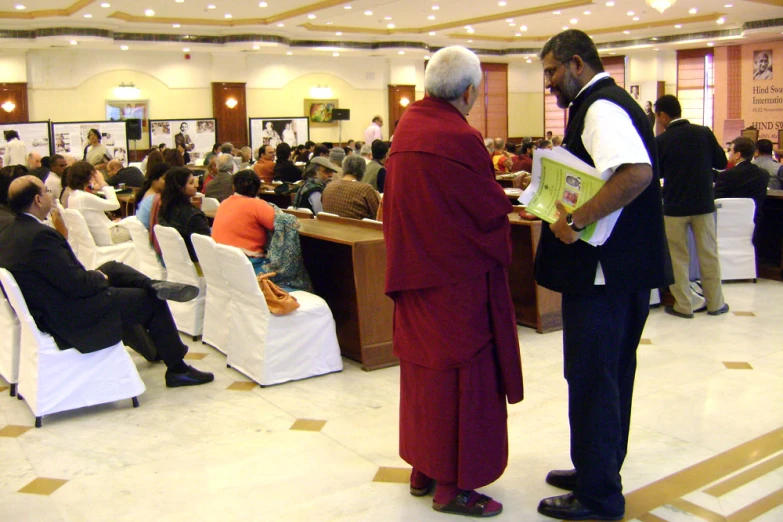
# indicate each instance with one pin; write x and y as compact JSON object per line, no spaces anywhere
{"x":146,"y":257}
{"x":209,"y":204}
{"x":53,"y":380}
{"x":326,"y":214}
{"x":304,"y":210}
{"x":87,"y":252}
{"x":189,"y":316}
{"x":735,"y":238}
{"x":274,"y":349}
{"x":10,"y":339}
{"x":216,"y":312}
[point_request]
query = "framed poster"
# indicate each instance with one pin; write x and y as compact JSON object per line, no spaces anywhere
{"x":71,"y":138}
{"x":121,"y":110}
{"x":196,"y":136}
{"x":319,"y":112}
{"x":274,"y":131}
{"x":34,"y":134}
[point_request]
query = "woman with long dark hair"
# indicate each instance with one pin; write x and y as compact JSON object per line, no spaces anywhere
{"x":155,"y":156}
{"x":174,"y":158}
{"x":177,"y":211}
{"x":154,"y":183}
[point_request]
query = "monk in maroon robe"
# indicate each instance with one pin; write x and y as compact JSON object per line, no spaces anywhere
{"x":448,"y":248}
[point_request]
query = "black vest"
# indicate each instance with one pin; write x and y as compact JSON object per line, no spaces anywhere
{"x":635,"y":257}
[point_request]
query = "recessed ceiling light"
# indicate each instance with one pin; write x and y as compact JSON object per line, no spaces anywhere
{"x":710,"y":44}
{"x":289,"y":53}
{"x":635,"y":18}
{"x":400,"y":52}
{"x":186,"y":49}
{"x":678,"y":26}
{"x":347,"y":7}
{"x":626,"y":32}
{"x":509,"y":20}
{"x":693,"y":10}
{"x":227,"y":15}
{"x":390,"y":26}
{"x":512,"y":24}
{"x":88,"y":15}
{"x":431,"y":17}
{"x":74,"y":42}
{"x":502,"y":3}
{"x":149,"y":12}
{"x":566,"y":28}
{"x":587,"y":13}
{"x":728,"y":6}
{"x":654,"y":38}
{"x":555,"y":12}
{"x":523,"y":28}
{"x":471,"y":31}
{"x":656,"y":49}
{"x":368,"y":13}
{"x":574,"y":21}
{"x":720,"y":21}
{"x":387,"y":17}
{"x":338,"y":33}
{"x":124,"y":47}
{"x":176,"y":26}
{"x":210,"y":6}
{"x":335,"y":54}
{"x":263,"y":4}
{"x":528,"y":61}
{"x":432,"y":33}
{"x":613,"y":52}
{"x":256,"y":47}
{"x":435,"y":7}
{"x":180,"y":1}
{"x":20,"y":7}
{"x":630,"y":13}
{"x":311,"y":16}
{"x":105,"y":5}
{"x":610,"y":4}
{"x":517,"y":34}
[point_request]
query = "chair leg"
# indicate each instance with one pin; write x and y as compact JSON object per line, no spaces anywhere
{"x":19,"y":396}
{"x":135,"y":402}
{"x":228,"y":366}
{"x":13,"y":390}
{"x":38,"y":422}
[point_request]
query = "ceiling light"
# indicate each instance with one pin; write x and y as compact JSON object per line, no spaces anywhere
{"x":431,"y":17}
{"x":400,"y":52}
{"x":517,"y":34}
{"x":256,"y":47}
{"x":368,"y":13}
{"x":630,"y":13}
{"x":435,"y":7}
{"x":263,"y":4}
{"x":710,"y":44}
{"x":626,"y":32}
{"x":574,"y":21}
{"x":720,"y":21}
{"x":654,"y":38}
{"x":390,"y":26}
{"x":693,"y":10}
{"x":387,"y":18}
{"x":509,"y":20}
{"x":124,"y":47}
{"x":523,"y":28}
{"x":311,"y":16}
{"x":186,"y":49}
{"x":338,"y":33}
{"x":635,"y":18}
{"x":587,"y":13}
{"x":471,"y":31}
{"x":335,"y":54}
{"x":678,"y":26}
{"x":149,"y":12}
{"x":728,"y":6}
{"x":610,"y":4}
{"x":19,"y":7}
{"x":432,"y":33}
{"x":502,"y":3}
{"x":660,"y":5}
{"x":555,"y":12}
{"x":227,"y":15}
{"x":176,"y":26}
{"x":347,"y":7}
{"x":281,"y":24}
{"x":105,"y":5}
{"x":512,"y":24}
{"x":88,"y":15}
{"x":210,"y":6}
{"x":613,"y":52}
{"x":74,"y":42}
{"x":289,"y":53}
{"x":528,"y":61}
{"x":566,"y":28}
{"x":180,"y":1}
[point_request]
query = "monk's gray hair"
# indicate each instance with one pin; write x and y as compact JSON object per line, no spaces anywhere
{"x":450,"y":71}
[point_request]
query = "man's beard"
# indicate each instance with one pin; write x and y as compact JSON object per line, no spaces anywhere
{"x":568,"y":89}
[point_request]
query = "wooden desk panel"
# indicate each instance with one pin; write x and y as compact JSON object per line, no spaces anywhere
{"x":347,"y":264}
{"x":535,"y":306}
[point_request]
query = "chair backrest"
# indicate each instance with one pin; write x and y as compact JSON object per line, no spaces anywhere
{"x":179,"y":267}
{"x":18,"y":303}
{"x":209,"y":204}
{"x":80,"y":238}
{"x":205,"y":250}
{"x":735,"y":218}
{"x":239,"y":276}
{"x":141,"y":241}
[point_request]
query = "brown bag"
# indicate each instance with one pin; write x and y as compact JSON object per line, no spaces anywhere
{"x":278,"y":300}
{"x":59,"y":223}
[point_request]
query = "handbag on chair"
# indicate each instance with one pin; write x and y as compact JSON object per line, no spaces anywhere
{"x":278,"y":300}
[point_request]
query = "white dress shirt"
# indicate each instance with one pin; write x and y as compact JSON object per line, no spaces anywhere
{"x":372,"y":133}
{"x":94,"y":209}
{"x":15,"y":153}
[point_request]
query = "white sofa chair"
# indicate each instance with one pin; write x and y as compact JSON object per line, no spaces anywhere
{"x":217,"y":315}
{"x":275,"y":349}
{"x":189,"y":316}
{"x":209,"y":204}
{"x":87,"y":252}
{"x":53,"y":380}
{"x":10,"y":339}
{"x":735,"y":238}
{"x":146,"y":257}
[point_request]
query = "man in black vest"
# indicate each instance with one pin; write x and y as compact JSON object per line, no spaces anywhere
{"x":606,"y":289}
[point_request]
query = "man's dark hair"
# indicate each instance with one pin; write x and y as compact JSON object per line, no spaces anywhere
{"x":227,"y":148}
{"x":764,"y":147}
{"x":320,"y":150}
{"x":309,"y":144}
{"x":23,"y":199}
{"x":46,"y":162}
{"x":328,"y":144}
{"x":79,"y":175}
{"x":6,"y":177}
{"x":283,"y":151}
{"x":161,"y":146}
{"x":379,"y":150}
{"x":511,"y":146}
{"x":526,"y":147}
{"x":668,"y":104}
{"x":246,"y":183}
{"x":215,"y":148}
{"x":570,"y":43}
{"x":544,"y":144}
{"x":54,"y":158}
{"x":10,"y":134}
{"x":744,"y":146}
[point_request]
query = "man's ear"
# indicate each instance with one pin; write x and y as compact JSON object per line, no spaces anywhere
{"x":579,"y":64}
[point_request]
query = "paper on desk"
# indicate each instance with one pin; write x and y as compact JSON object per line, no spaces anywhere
{"x":558,"y":175}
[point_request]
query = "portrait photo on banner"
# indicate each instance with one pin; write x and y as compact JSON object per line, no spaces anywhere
{"x":762,"y":64}
{"x":274,"y":131}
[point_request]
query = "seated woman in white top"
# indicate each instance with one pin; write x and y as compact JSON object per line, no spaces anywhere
{"x":81,"y":175}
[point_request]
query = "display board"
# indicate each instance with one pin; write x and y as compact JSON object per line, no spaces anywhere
{"x":71,"y":138}
{"x":197,"y":136}
{"x":35,"y":136}
{"x":273,"y":131}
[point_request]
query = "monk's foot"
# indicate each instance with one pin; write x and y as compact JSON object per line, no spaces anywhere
{"x":470,"y":504}
{"x":421,"y":484}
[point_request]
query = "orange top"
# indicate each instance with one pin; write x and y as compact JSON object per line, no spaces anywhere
{"x":264,"y":169}
{"x":243,"y":222}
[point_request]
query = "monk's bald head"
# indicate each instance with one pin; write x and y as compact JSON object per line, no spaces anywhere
{"x":114,"y":166}
{"x":22,"y":193}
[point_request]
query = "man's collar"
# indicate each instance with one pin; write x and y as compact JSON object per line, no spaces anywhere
{"x":599,"y":76}
{"x":34,"y":217}
{"x":675,"y":120}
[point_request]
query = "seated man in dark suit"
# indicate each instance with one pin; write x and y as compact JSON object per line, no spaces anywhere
{"x":117,"y":174}
{"x":89,"y":309}
{"x":744,"y":179}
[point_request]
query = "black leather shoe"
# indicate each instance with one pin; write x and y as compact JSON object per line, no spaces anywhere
{"x":192,"y":377}
{"x":671,"y":311}
{"x":168,"y":291}
{"x":567,"y":507}
{"x":562,"y":478}
{"x":722,"y":310}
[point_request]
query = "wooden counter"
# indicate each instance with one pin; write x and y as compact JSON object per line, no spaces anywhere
{"x":347,"y":264}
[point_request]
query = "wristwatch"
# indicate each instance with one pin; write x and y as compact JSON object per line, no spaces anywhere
{"x":570,"y":223}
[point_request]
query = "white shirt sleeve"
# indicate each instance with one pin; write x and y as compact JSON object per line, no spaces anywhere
{"x":610,"y":137}
{"x":93,"y":202}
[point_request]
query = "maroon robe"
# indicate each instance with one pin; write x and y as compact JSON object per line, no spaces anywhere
{"x":448,"y":248}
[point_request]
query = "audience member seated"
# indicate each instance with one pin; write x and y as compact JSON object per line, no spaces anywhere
{"x":146,"y":158}
{"x":349,"y":197}
{"x":150,"y":191}
{"x":765,"y":160}
{"x":265,"y":166}
{"x":557,"y":140}
{"x":35,"y":164}
{"x":284,"y":169}
{"x":300,"y":154}
{"x":524,"y":161}
{"x":243,"y":220}
{"x":90,"y":309}
{"x":375,"y":175}
{"x":246,"y":157}
{"x":545,"y":144}
{"x":501,"y":160}
{"x":336,"y":156}
{"x":53,"y":181}
{"x":212,"y":171}
{"x":177,"y":211}
{"x":212,"y":153}
{"x":489,"y":144}
{"x":221,"y":186}
{"x":96,"y":153}
{"x":320,"y":150}
{"x":744,"y":179}
{"x":316,"y":177}
{"x":7,"y":176}
{"x":105,"y":232}
{"x":174,"y":158}
{"x":366,"y":153}
{"x":130,"y":176}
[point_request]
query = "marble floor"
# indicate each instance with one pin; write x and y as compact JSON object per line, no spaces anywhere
{"x":706,"y":441}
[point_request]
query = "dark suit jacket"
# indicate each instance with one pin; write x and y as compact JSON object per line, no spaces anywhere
{"x":131,"y":176}
{"x":744,"y":180}
{"x":67,"y":301}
